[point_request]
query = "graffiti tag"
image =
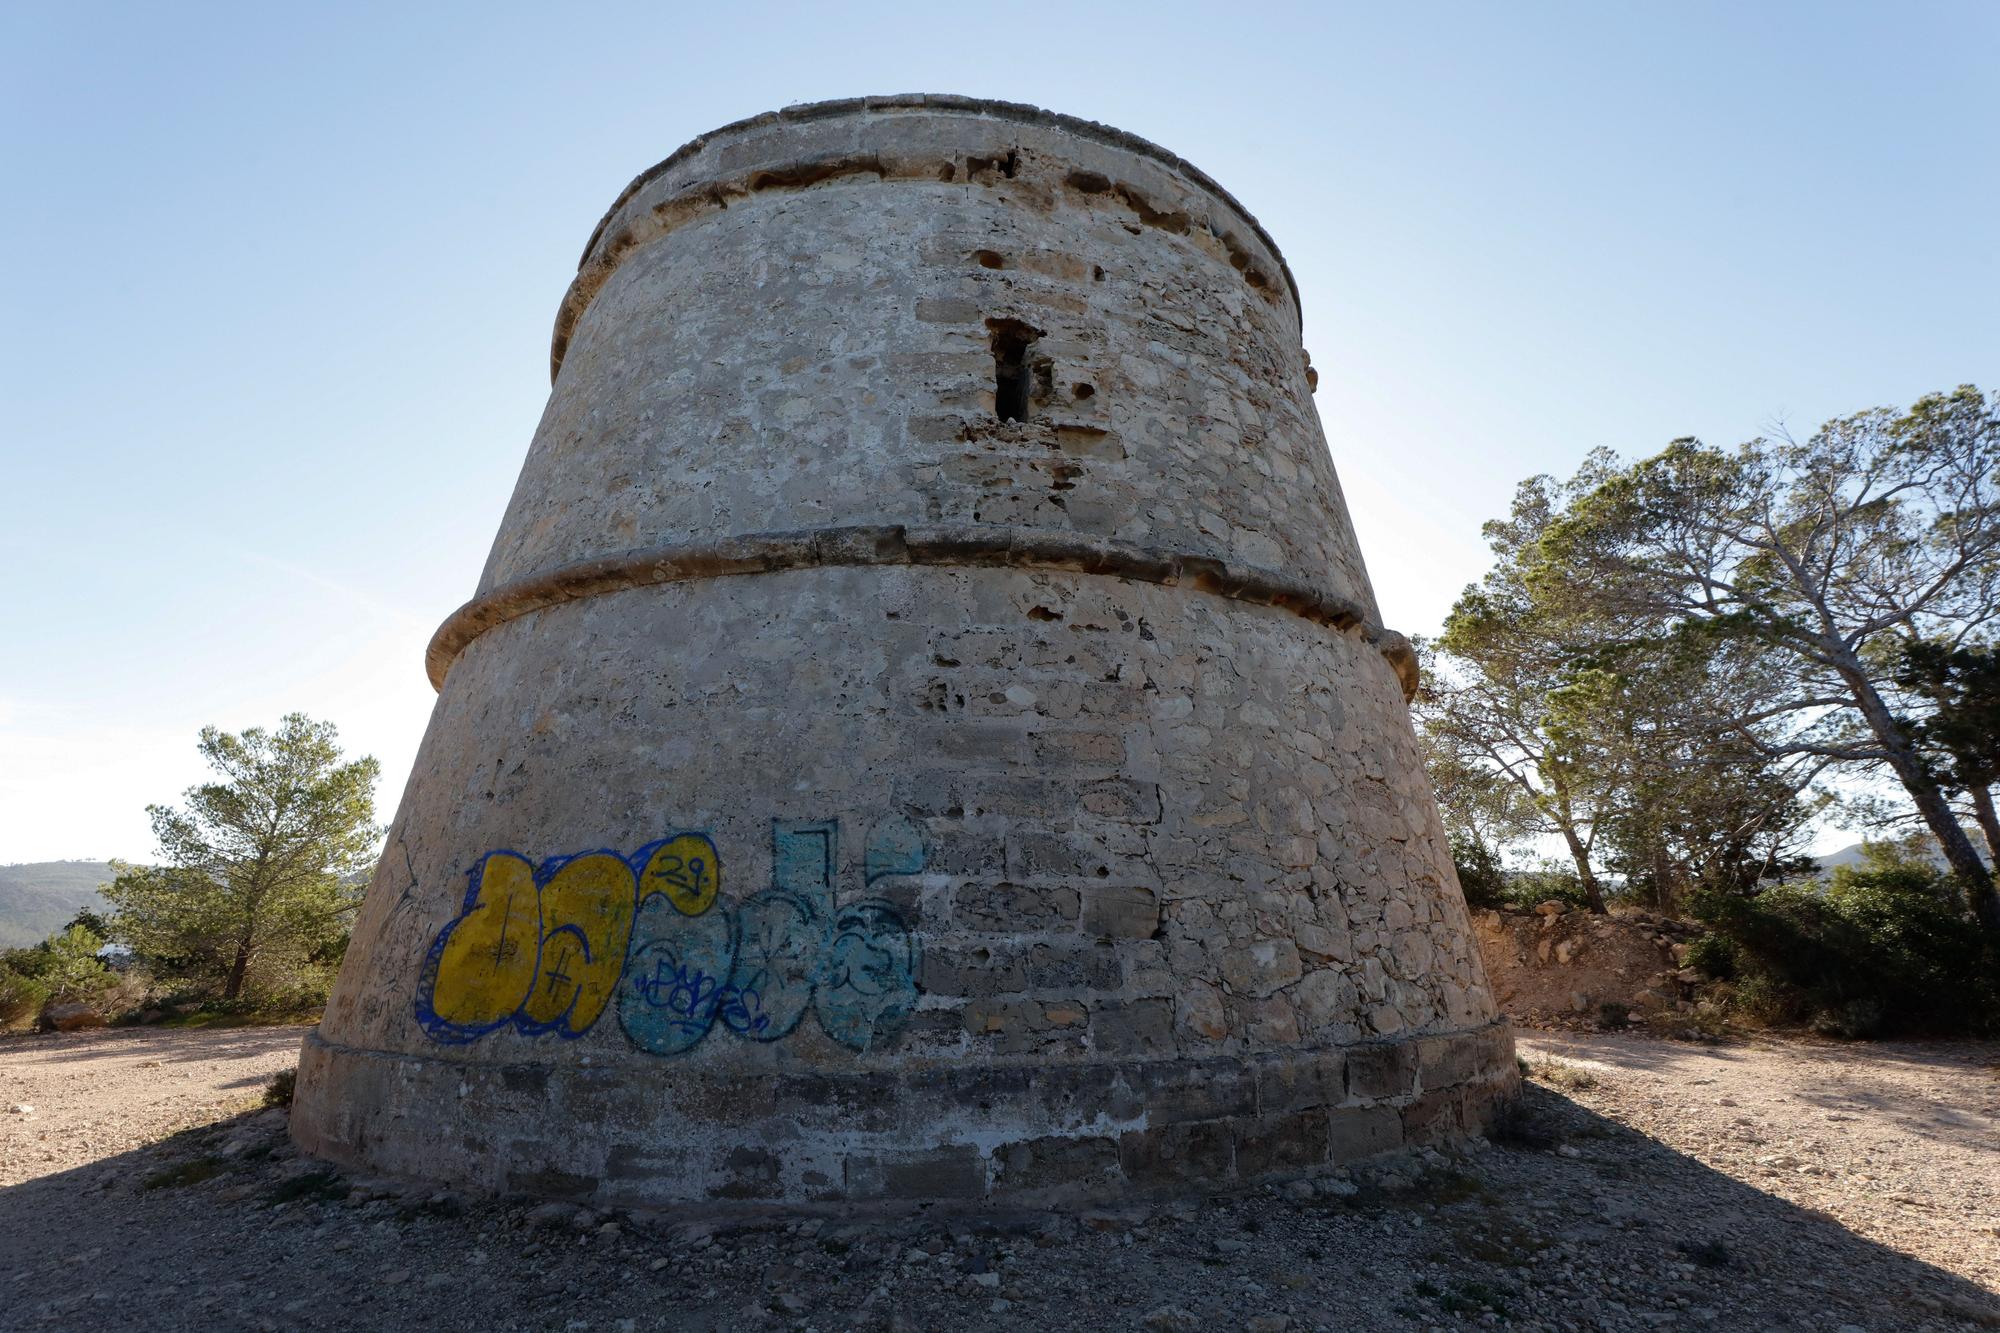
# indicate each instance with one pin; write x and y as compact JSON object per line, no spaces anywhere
{"x":549,"y":947}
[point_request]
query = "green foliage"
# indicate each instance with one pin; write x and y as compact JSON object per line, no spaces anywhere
{"x":93,"y":921}
{"x":62,"y":969}
{"x":300,"y":992}
{"x":1825,"y":558}
{"x":74,"y":973}
{"x":1508,"y":760}
{"x":1479,"y":874}
{"x":278,"y":1092}
{"x":21,"y":997}
{"x":1668,"y":658}
{"x":1546,"y":883}
{"x":1962,"y":686}
{"x":1712,"y":955}
{"x":1885,"y":947}
{"x":1699,"y":810}
{"x":1539,"y":721}
{"x":31,"y":963}
{"x":260,"y":871}
{"x":1487,"y":886}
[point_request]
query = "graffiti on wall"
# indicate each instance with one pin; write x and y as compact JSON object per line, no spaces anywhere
{"x":549,"y":947}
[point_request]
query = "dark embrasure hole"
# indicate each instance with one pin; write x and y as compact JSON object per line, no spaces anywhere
{"x":1013,"y":377}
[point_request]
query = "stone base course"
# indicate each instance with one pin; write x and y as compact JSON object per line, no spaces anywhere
{"x":1046,"y":1134}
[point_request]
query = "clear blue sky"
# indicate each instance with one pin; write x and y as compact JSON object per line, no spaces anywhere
{"x":278,"y":284}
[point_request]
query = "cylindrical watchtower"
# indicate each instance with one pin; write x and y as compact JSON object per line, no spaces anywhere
{"x":923,"y":729}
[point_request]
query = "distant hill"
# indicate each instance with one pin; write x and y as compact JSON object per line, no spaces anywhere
{"x":1846,"y":856}
{"x":1851,"y":855}
{"x":38,"y":898}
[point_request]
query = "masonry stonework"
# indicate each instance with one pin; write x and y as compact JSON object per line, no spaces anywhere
{"x":924,"y":730}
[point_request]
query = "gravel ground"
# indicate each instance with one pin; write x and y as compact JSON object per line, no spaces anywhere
{"x":1577,"y":1220}
{"x":1898,"y":1142}
{"x":95,"y":1094}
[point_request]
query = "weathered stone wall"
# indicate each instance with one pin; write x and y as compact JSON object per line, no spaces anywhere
{"x":836,"y":791}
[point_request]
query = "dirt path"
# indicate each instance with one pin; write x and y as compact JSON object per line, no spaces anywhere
{"x":1626,"y":1197}
{"x":1899,"y":1142}
{"x":95,"y":1093}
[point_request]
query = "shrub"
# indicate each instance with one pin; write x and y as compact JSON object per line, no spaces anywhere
{"x":1763,"y":998}
{"x":73,"y":973}
{"x":1558,"y":1074}
{"x":278,"y":1092}
{"x":298,"y":989}
{"x":1712,"y":955}
{"x":1881,"y":948}
{"x":1527,"y":888}
{"x":32,"y":962}
{"x":63,"y":969}
{"x":1488,"y":885}
{"x":21,"y":998}
{"x":1855,"y":1019}
{"x":1484,"y":882}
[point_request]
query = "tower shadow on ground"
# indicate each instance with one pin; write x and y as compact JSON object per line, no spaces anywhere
{"x":1575,"y":1222}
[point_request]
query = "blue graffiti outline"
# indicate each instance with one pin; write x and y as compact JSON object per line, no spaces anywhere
{"x":441,"y":1029}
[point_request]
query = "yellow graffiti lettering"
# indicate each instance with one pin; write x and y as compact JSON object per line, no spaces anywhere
{"x":586,"y":923}
{"x":488,"y":960}
{"x":685,"y":869}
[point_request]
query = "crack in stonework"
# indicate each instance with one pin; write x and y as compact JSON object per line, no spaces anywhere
{"x":982,"y":546}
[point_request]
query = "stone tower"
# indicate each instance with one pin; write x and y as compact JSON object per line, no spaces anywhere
{"x":924,"y":729}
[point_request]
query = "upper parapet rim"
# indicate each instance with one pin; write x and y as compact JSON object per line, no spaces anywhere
{"x":951,"y":104}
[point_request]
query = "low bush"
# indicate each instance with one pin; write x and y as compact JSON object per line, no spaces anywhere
{"x":1562,"y":1075}
{"x":1527,"y":888}
{"x":1488,"y":886}
{"x":21,"y":998}
{"x":74,"y":973}
{"x":1712,"y":955}
{"x":1479,"y":875}
{"x":278,"y":1092}
{"x":300,"y":992}
{"x":63,"y":969}
{"x":1884,"y":947}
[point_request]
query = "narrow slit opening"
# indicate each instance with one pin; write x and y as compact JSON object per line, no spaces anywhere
{"x":1013,"y":375}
